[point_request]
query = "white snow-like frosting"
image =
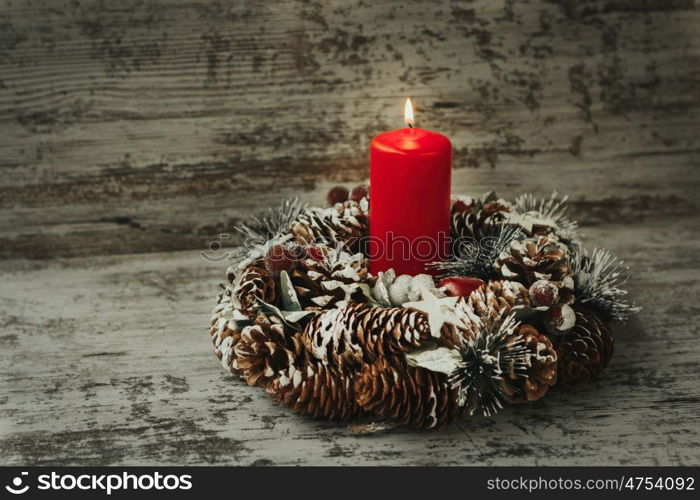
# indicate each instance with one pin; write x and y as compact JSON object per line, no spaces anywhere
{"x":528,"y":220}
{"x":347,"y":272}
{"x":329,"y":332}
{"x":568,"y":318}
{"x":539,"y":350}
{"x":433,"y":406}
{"x":283,"y":380}
{"x":364,"y":205}
{"x":226,"y":348}
{"x":322,"y":301}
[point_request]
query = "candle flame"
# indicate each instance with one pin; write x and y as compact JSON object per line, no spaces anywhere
{"x":408,"y":113}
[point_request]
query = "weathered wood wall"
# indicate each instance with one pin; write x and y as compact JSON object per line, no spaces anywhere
{"x":154,"y":126}
{"x":151,"y":125}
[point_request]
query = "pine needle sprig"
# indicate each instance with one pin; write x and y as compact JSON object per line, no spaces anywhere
{"x":266,"y":230}
{"x":476,"y":258}
{"x":552,"y":208}
{"x":598,"y":281}
{"x":492,"y":354}
{"x":273,"y":223}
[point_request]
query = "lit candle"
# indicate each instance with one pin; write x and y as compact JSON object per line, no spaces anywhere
{"x":410,"y":173}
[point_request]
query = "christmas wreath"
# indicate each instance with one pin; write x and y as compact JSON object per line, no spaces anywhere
{"x":519,"y":307}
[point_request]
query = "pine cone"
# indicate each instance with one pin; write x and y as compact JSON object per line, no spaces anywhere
{"x":499,"y":361}
{"x":323,"y":282}
{"x":316,"y":390}
{"x":358,"y":333}
{"x":476,"y":222}
{"x":224,"y":333}
{"x":491,"y":302}
{"x":528,"y":261}
{"x":411,"y":396}
{"x":541,"y":373}
{"x":254,"y":283}
{"x":585,"y":350}
{"x":263,"y":350}
{"x":347,"y":223}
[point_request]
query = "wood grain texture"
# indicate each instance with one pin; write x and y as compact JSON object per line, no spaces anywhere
{"x":152,"y":125}
{"x":134,"y":133}
{"x":107,"y":360}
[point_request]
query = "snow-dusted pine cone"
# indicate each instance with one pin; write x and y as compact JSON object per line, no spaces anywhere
{"x":473,"y":222}
{"x":254,"y":283}
{"x":358,"y":333}
{"x":332,"y":275}
{"x":542,"y":368}
{"x":585,"y":350}
{"x":347,"y":223}
{"x":316,"y":390}
{"x":390,"y":390}
{"x":528,"y":261}
{"x":224,"y":332}
{"x":263,"y":350}
{"x":491,"y":302}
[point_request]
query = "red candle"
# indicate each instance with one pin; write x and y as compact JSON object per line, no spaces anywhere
{"x":410,"y":173}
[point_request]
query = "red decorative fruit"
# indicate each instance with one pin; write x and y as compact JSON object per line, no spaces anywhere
{"x":359,"y":192}
{"x":337,"y":194}
{"x":459,"y":286}
{"x":315,"y":253}
{"x":462,"y":205}
{"x":543,"y":293}
{"x":281,"y":258}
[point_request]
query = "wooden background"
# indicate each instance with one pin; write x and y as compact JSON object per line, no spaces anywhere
{"x":134,"y":133}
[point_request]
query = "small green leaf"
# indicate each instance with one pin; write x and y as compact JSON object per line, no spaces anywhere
{"x":239,"y":319}
{"x":433,"y":358}
{"x":290,"y":301}
{"x":296,"y":316}
{"x":289,"y":318}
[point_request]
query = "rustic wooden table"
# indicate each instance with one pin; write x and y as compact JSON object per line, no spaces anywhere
{"x":134,"y":133}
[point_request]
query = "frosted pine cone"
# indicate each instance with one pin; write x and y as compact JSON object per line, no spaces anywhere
{"x":531,"y":260}
{"x":541,"y":259}
{"x":585,"y":350}
{"x":347,"y":223}
{"x":490,"y":303}
{"x":316,"y":390}
{"x":328,"y":276}
{"x":252,"y":284}
{"x":542,"y":368}
{"x":224,"y":332}
{"x":417,"y":397}
{"x":263,"y":350}
{"x":474,"y":222}
{"x":358,"y":333}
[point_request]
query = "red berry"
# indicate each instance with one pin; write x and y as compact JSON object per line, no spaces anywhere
{"x":315,"y":253}
{"x":359,"y":192}
{"x":460,"y":205}
{"x":459,"y":286}
{"x":280,"y":258}
{"x":338,"y":194}
{"x":543,"y":293}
